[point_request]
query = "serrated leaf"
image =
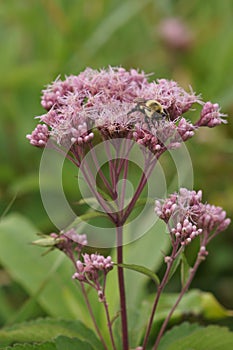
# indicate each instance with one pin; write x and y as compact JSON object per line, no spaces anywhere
{"x":64,"y":343}
{"x":40,"y":346}
{"x":202,"y":338}
{"x":47,"y":329}
{"x":176,"y":333}
{"x":141,"y":269}
{"x":194,"y":302}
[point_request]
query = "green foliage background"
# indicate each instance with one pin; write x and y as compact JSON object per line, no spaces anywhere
{"x":41,"y":39}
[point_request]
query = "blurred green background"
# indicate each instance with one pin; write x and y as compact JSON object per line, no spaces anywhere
{"x":45,"y":38}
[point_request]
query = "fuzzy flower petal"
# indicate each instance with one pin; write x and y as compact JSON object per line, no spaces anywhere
{"x":105,"y":101}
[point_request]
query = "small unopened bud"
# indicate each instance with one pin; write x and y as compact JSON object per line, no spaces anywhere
{"x":167,"y":259}
{"x":100,"y":296}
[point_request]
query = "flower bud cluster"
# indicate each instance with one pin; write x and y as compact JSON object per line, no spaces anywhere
{"x":39,"y":136}
{"x":69,"y":240}
{"x":213,"y":218}
{"x":164,"y":210}
{"x":88,"y":270}
{"x":75,"y":237}
{"x":55,"y":91}
{"x":185,"y":231}
{"x":185,"y":129}
{"x":147,"y":139}
{"x":211,"y":115}
{"x":187,"y":217}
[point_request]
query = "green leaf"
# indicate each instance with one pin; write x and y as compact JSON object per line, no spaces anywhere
{"x":141,"y":269}
{"x":185,"y":269}
{"x":212,"y":309}
{"x":47,"y":241}
{"x":47,"y":329}
{"x":64,"y":343}
{"x":176,"y":333}
{"x":41,"y":346}
{"x":42,"y":277}
{"x":195,"y":303}
{"x":200,"y":338}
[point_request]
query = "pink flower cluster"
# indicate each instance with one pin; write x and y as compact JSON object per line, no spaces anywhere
{"x":88,"y":270}
{"x":39,"y":136}
{"x":102,"y":99}
{"x":75,"y":237}
{"x":186,"y":231}
{"x":182,"y":203}
{"x":187,"y":217}
{"x":213,"y":218}
{"x":175,"y":33}
{"x":69,"y":239}
{"x":211,"y":116}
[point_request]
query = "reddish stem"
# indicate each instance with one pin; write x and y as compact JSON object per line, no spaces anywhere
{"x":158,"y":294}
{"x":183,"y":290}
{"x":121,"y":283}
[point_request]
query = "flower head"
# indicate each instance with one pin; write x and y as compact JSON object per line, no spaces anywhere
{"x":88,"y":269}
{"x":104,"y":101}
{"x":187,"y":217}
{"x":212,"y":218}
{"x":179,"y":206}
{"x":70,"y":240}
{"x":175,"y":33}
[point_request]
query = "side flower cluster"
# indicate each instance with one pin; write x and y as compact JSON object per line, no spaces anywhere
{"x":70,"y":241}
{"x":187,"y":217}
{"x":93,"y":270}
{"x":88,"y":270}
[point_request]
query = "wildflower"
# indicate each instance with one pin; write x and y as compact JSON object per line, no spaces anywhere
{"x":101,"y":100}
{"x":175,"y":33}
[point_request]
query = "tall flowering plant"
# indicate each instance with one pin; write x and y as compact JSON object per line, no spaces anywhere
{"x":120,"y":110}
